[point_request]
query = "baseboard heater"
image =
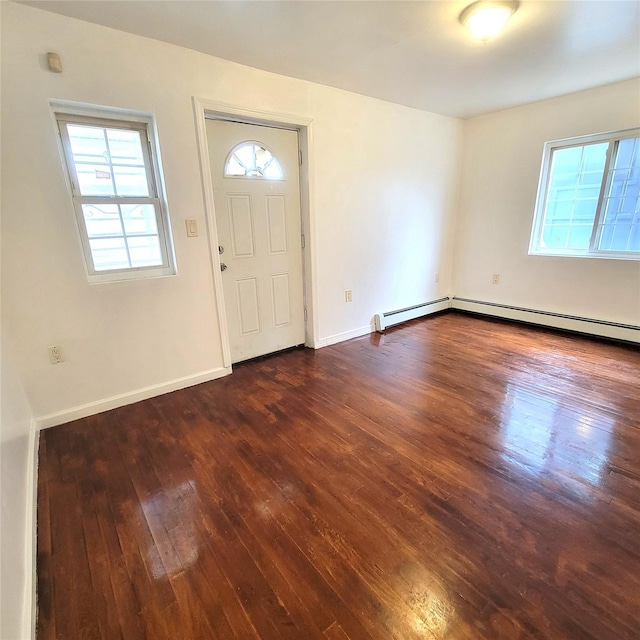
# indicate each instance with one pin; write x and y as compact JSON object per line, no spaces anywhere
{"x":391,"y":318}
{"x":602,"y":328}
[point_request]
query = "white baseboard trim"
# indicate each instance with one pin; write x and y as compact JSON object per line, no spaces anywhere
{"x":341,"y":337}
{"x":31,"y":544}
{"x":590,"y":326}
{"x":91,"y":408}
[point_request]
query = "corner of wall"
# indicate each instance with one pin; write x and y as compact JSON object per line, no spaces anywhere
{"x":31,"y":540}
{"x":453,"y":257}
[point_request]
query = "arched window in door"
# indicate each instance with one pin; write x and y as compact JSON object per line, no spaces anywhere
{"x":252,"y":160}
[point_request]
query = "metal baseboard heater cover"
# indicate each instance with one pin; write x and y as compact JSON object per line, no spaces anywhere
{"x":391,"y":318}
{"x":590,"y":326}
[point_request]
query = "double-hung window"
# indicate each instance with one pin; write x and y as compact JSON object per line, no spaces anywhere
{"x":589,"y":197}
{"x":114,"y":182}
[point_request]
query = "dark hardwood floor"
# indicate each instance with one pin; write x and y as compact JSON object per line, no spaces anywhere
{"x":454,"y":478}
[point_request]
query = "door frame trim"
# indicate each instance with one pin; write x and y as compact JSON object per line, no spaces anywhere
{"x":204,"y":110}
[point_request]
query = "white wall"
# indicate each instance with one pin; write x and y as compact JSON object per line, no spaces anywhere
{"x":382,"y":190}
{"x":385,"y":201}
{"x":500,"y":169}
{"x":16,"y":450}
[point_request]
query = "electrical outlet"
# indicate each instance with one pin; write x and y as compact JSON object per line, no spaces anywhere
{"x":55,"y":355}
{"x":348,"y":295}
{"x":496,"y":278}
{"x":437,"y":277}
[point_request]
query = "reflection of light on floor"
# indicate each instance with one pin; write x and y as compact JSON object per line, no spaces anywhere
{"x":432,"y":615}
{"x":170,"y":516}
{"x":584,"y":425}
{"x":541,"y":434}
{"x":428,"y":600}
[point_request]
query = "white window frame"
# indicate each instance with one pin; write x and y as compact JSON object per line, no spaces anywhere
{"x":535,"y":247}
{"x":120,"y":119}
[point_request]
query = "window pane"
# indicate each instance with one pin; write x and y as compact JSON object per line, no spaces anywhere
{"x":579,"y":236}
{"x":621,"y":220}
{"x":87,"y":143}
{"x":559,"y":211}
{"x":102,"y":220}
{"x":234,"y":168}
{"x":91,"y":159}
{"x":555,"y":236}
{"x":109,"y":253}
{"x":572,"y":197}
{"x":102,"y":154}
{"x":577,"y":167}
{"x":131,"y":181}
{"x":94,"y":179}
{"x":594,"y":158}
{"x":144,"y":251}
{"x":585,"y":211}
{"x":567,"y":161}
{"x":254,"y":161}
{"x":139,"y":219}
{"x":620,"y":238}
{"x":625,"y":155}
{"x":246,"y":157}
{"x":125,"y":147}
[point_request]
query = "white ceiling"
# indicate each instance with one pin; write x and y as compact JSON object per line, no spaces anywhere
{"x":413,"y":53}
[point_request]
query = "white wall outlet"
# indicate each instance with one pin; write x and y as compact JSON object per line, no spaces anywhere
{"x":55,"y":355}
{"x":496,"y":278}
{"x":438,"y":277}
{"x":348,"y":295}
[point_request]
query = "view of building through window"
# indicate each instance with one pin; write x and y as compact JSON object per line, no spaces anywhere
{"x":589,"y":203}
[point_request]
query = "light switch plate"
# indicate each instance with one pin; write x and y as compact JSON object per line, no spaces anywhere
{"x":192,"y":227}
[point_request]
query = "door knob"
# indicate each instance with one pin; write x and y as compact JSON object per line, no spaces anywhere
{"x":223,"y":266}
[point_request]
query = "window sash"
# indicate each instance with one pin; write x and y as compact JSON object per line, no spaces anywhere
{"x":63,"y":122}
{"x":598,"y":224}
{"x":86,"y":237}
{"x":601,"y":223}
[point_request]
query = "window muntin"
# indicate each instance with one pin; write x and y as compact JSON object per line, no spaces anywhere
{"x":120,"y":215}
{"x":252,"y":160}
{"x":589,"y":198}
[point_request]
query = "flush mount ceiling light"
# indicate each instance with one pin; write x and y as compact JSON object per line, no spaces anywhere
{"x":486,"y":18}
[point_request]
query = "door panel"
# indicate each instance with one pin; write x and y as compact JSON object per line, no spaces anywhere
{"x":241,"y":222}
{"x":259,"y":228}
{"x":280,"y":299}
{"x":276,"y":224}
{"x":247,"y":299}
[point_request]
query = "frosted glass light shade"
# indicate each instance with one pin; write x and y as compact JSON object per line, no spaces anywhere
{"x":485,"y":19}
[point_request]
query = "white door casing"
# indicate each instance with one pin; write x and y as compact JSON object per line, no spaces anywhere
{"x":258,"y":224}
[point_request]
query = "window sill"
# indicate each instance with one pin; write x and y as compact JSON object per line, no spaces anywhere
{"x":634,"y":257}
{"x":129,"y":275}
